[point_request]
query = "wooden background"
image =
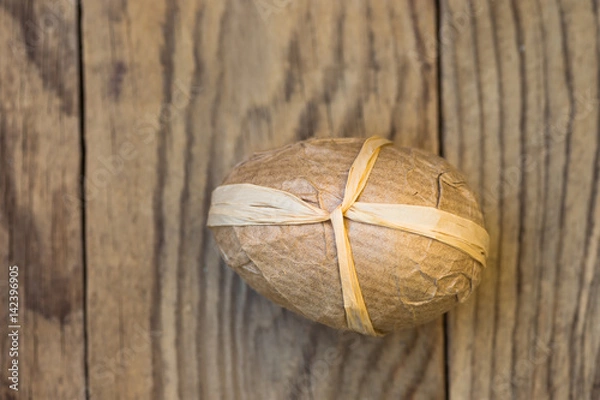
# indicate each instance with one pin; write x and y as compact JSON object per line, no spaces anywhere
{"x":118,"y":118}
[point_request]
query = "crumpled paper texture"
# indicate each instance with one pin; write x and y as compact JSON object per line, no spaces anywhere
{"x":406,"y":279}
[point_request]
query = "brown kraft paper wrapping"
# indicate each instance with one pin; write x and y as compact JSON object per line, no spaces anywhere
{"x":409,"y":236}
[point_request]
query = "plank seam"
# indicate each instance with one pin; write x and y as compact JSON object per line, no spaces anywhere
{"x":82,"y":174}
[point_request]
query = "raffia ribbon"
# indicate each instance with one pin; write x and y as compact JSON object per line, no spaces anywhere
{"x":248,"y":204}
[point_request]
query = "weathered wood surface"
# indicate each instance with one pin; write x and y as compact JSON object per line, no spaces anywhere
{"x":40,"y":225}
{"x":520,"y":117}
{"x":178,"y":93}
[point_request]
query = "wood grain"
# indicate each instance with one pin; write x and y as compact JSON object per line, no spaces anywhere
{"x":40,"y":219}
{"x":178,"y":93}
{"x":520,"y":116}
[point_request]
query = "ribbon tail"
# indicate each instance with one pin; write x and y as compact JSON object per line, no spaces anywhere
{"x":357,"y":316}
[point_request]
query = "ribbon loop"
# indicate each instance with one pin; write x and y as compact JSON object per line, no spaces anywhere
{"x":361,"y":169}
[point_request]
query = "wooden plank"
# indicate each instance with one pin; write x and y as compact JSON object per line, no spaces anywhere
{"x":176,"y":94}
{"x":520,"y":117}
{"x":40,"y":221}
